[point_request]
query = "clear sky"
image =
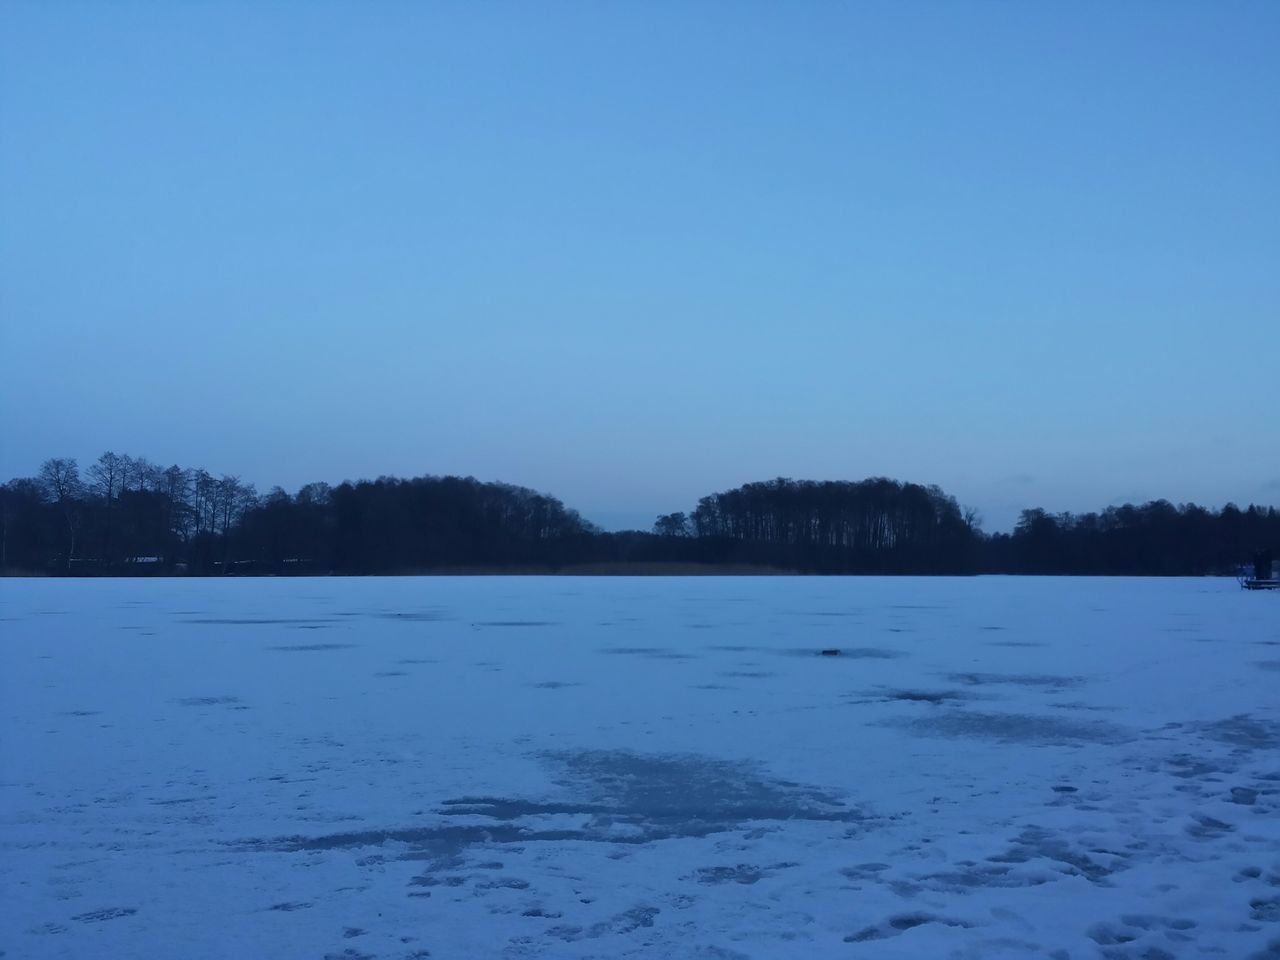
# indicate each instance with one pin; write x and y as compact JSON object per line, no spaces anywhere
{"x":633,"y":253}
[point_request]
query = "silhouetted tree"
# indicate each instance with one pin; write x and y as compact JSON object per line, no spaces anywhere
{"x":672,"y":525}
{"x":60,"y":477}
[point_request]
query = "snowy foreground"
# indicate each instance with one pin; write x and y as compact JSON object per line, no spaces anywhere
{"x":546,"y":767}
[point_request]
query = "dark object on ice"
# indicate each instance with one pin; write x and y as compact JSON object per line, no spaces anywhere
{"x":833,"y":652}
{"x":1263,"y":574}
{"x":1262,"y":565}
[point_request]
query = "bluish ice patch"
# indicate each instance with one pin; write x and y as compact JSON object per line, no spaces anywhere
{"x":1012,"y":728}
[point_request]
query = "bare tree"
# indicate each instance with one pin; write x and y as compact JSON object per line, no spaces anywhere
{"x":227,"y":493}
{"x":973,"y":520}
{"x":106,"y":476}
{"x":204,"y":502}
{"x":234,"y":499}
{"x":147,"y":475}
{"x":60,"y":480}
{"x":316,"y":494}
{"x":672,"y":525}
{"x":106,"y":479}
{"x":176,"y":486}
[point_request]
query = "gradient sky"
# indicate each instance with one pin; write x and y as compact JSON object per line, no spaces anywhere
{"x":632,"y":253}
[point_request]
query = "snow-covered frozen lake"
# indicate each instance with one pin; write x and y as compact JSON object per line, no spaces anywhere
{"x":601,"y":767}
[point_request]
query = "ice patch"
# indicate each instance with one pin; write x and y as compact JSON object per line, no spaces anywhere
{"x":1013,"y":728}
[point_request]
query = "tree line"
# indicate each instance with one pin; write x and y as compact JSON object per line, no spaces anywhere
{"x":1153,"y":539}
{"x":872,"y":526}
{"x":124,"y":515}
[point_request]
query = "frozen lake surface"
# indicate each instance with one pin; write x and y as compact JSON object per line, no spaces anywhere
{"x":557,"y":767}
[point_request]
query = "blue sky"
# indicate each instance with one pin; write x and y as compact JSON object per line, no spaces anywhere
{"x":634,"y":253}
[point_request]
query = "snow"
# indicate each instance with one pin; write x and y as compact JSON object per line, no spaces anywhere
{"x":615,"y":767}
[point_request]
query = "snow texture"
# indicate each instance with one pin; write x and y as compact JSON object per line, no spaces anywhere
{"x":702,"y":768}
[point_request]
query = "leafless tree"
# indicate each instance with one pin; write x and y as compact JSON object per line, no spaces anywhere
{"x":60,"y":479}
{"x":106,"y":479}
{"x":672,"y":525}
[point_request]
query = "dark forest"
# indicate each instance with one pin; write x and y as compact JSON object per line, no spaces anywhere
{"x":123,"y":516}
